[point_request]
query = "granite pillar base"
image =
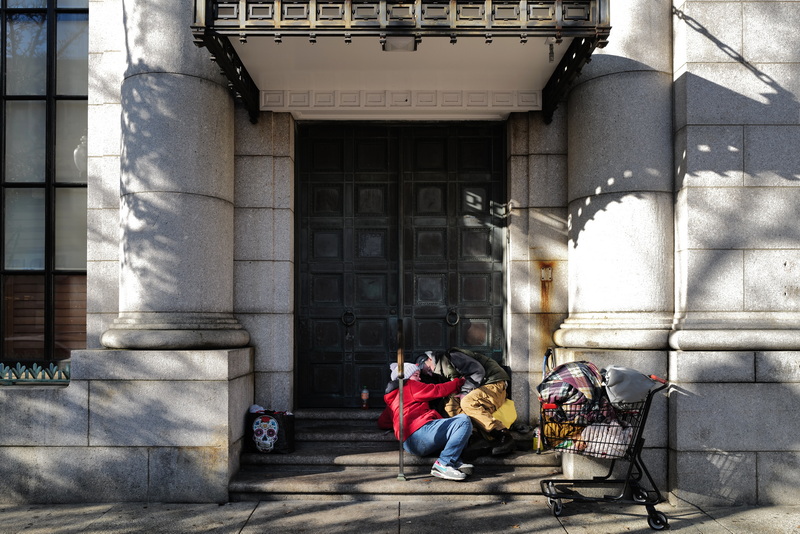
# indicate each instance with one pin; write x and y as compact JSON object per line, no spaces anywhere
{"x":168,"y":331}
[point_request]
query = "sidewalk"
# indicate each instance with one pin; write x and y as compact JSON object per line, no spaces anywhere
{"x":386,"y":516}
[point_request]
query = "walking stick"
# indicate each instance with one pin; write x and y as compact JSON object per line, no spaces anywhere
{"x":400,"y":376}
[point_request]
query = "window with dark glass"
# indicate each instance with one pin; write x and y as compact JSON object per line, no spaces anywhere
{"x":44,"y":67}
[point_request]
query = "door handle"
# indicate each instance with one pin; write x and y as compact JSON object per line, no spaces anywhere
{"x":348,"y":318}
{"x":452,"y":318}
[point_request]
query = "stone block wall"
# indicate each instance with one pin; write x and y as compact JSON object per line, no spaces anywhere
{"x":106,"y":71}
{"x":537,"y":251}
{"x":737,"y":115}
{"x":732,"y":416}
{"x":735,"y":363}
{"x":167,"y":425}
{"x":264,"y":250}
{"x":145,"y":426}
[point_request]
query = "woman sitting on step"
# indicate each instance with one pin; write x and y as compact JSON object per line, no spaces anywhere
{"x":425,"y":432}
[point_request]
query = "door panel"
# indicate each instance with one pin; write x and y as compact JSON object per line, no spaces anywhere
{"x":367,"y":194}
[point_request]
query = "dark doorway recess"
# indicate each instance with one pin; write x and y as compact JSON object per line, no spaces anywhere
{"x":395,"y":213}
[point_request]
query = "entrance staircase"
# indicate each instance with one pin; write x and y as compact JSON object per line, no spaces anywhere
{"x":342,"y":454}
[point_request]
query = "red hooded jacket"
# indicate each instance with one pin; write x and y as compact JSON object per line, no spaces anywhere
{"x":416,"y":411}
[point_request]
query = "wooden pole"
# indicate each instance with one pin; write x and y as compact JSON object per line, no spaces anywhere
{"x":400,"y":303}
{"x":400,"y":376}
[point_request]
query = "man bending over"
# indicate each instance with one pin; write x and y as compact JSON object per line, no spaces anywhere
{"x":482,"y":394}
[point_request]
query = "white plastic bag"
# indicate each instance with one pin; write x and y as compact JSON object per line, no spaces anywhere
{"x":606,"y":440}
{"x":624,"y":385}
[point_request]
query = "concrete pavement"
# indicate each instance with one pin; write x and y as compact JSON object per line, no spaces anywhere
{"x":386,"y":516}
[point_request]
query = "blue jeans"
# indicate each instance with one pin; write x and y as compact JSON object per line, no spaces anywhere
{"x":445,"y":437}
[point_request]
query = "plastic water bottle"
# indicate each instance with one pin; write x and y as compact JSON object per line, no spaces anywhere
{"x":364,"y":398}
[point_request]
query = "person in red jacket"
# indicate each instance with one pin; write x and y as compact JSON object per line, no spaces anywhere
{"x":425,"y":432}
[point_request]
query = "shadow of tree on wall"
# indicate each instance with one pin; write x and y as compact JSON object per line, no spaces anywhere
{"x":736,"y":131}
{"x":708,"y":103}
{"x":142,"y":237}
{"x":748,"y":457}
{"x":123,"y":412}
{"x":729,"y":169}
{"x":736,"y":154}
{"x":124,"y":432}
{"x":780,"y":99}
{"x":164,"y":191}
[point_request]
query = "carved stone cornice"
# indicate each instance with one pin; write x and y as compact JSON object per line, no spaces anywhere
{"x":585,"y":22}
{"x":451,"y":18}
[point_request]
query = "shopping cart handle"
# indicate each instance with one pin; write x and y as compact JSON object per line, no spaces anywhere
{"x":658,"y":379}
{"x":549,"y":406}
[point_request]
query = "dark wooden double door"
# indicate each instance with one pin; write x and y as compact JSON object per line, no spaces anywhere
{"x":398,"y":223}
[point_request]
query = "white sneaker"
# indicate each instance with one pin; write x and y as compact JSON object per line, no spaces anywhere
{"x":446,"y":472}
{"x":465,"y":468}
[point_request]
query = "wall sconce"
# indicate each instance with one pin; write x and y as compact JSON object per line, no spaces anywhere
{"x":399,"y":43}
{"x":551,"y":41}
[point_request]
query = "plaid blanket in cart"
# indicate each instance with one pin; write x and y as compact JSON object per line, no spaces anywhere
{"x":577,"y":383}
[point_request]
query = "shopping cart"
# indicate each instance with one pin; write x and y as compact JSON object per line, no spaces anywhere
{"x":602,"y":430}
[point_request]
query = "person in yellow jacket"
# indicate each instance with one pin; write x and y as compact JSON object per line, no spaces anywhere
{"x":482,"y":394}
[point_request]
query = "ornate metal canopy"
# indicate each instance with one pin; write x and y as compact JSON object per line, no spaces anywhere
{"x":585,"y":22}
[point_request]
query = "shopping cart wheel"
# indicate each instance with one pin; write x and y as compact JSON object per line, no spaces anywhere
{"x":657,"y":520}
{"x":555,"y":505}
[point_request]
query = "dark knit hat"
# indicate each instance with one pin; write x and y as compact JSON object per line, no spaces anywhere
{"x":424,"y":358}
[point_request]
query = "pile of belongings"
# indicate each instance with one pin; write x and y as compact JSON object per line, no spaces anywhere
{"x":579,"y":408}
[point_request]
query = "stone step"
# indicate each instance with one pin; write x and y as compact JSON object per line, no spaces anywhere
{"x":341,"y":430}
{"x":276,"y":482}
{"x":355,"y":426}
{"x":342,"y":454}
{"x":382,"y":455}
{"x":308,"y":414}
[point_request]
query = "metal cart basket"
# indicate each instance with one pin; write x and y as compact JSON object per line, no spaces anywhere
{"x":603,"y":431}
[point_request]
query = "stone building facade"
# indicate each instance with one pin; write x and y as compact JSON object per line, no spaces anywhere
{"x":652,"y":225}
